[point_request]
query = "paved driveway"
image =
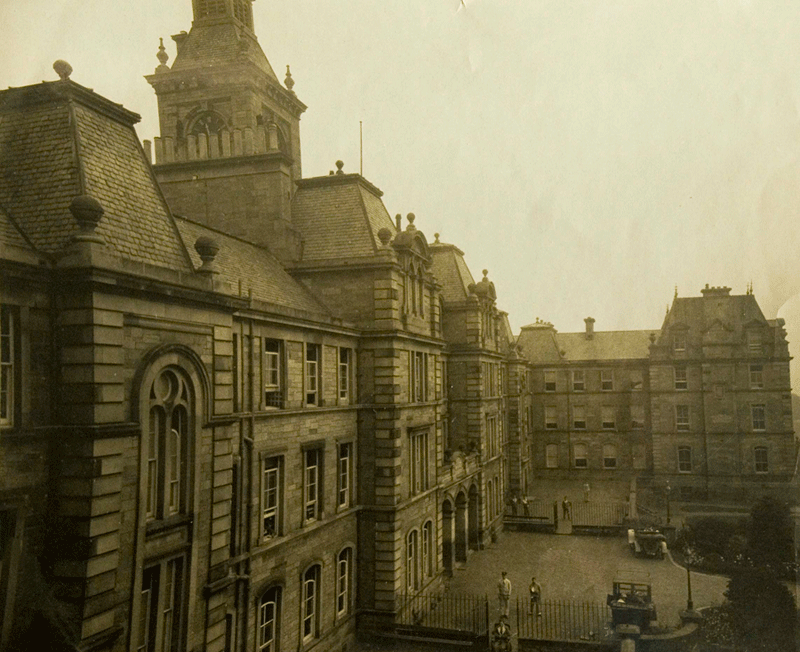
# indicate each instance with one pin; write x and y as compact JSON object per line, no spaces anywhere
{"x":581,"y":568}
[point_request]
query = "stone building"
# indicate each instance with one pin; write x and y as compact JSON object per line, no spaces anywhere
{"x":700,"y":408}
{"x":227,"y":420}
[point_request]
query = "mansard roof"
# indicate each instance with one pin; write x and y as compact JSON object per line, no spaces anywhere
{"x":339,"y":217}
{"x":59,"y":140}
{"x":451,"y":271}
{"x":252,"y":268}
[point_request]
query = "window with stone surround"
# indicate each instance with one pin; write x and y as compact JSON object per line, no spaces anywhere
{"x":682,"y":423}
{"x":755,"y":345}
{"x":637,"y":416}
{"x":209,"y":8}
{"x":758,"y":412}
{"x":310,"y":603}
{"x":418,"y":376}
{"x":162,"y":607}
{"x":551,"y":456}
{"x":418,"y":478}
{"x":345,"y":475}
{"x":344,"y":563}
{"x":679,"y":343}
{"x":550,"y":417}
{"x":607,"y":380}
{"x":761,"y":459}
{"x":579,"y":417}
{"x":273,"y":374}
{"x":8,"y":366}
{"x":549,"y":381}
{"x":312,"y":483}
{"x":345,"y":375}
{"x":269,"y":612}
{"x":609,"y":456}
{"x":313,"y":374}
{"x":427,"y":549}
{"x":412,"y":561}
{"x":580,"y":456}
{"x":167,"y":446}
{"x":679,"y":375}
{"x":756,"y":376}
{"x":271,"y":496}
{"x":684,"y":459}
{"x":578,"y":380}
{"x":608,"y":417}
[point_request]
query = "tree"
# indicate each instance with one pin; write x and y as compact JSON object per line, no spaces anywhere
{"x":770,"y":537}
{"x":762,"y":611}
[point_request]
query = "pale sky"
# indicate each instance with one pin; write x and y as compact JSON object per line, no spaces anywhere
{"x":591,"y":154}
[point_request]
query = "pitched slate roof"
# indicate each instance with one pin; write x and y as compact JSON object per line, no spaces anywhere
{"x":605,"y":345}
{"x":700,"y":313}
{"x":220,"y":43}
{"x":59,"y":140}
{"x":541,"y":343}
{"x":257,"y":270}
{"x":451,"y":271}
{"x":339,"y":217}
{"x":10,"y":233}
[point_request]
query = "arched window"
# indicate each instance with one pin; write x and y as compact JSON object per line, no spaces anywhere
{"x":412,"y":561}
{"x":344,"y":563}
{"x":427,"y":549}
{"x":310,"y":606}
{"x":170,"y":422}
{"x":269,"y":611}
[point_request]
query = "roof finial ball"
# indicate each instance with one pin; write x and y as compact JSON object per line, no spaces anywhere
{"x":87,"y":212}
{"x":288,"y":81}
{"x":485,"y":273}
{"x":339,"y":166}
{"x":436,"y":236}
{"x":411,"y":217}
{"x":63,"y":69}
{"x":162,"y":56}
{"x":207,"y":248}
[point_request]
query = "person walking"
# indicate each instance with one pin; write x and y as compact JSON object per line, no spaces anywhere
{"x":535,"y":591}
{"x":566,"y":509}
{"x":504,"y":593}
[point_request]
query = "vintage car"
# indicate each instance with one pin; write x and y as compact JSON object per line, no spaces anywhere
{"x":631,"y":600}
{"x":648,"y":542}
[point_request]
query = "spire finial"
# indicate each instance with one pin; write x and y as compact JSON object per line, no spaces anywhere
{"x":162,"y":56}
{"x":288,"y":81}
{"x":436,"y":236}
{"x":63,"y":69}
{"x":339,"y":166}
{"x":485,"y":273}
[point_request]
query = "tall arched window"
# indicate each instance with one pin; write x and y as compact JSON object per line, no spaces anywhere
{"x":171,"y":401}
{"x":310,"y":606}
{"x":427,"y":549}
{"x":344,"y":562}
{"x":412,"y":561}
{"x":269,"y":611}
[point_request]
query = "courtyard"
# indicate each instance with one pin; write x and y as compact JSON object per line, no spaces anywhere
{"x":581,"y":569}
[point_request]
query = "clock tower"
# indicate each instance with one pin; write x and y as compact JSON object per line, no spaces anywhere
{"x":228,"y":155}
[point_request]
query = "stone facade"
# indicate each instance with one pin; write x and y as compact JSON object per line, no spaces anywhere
{"x":700,"y":407}
{"x":253,"y":426}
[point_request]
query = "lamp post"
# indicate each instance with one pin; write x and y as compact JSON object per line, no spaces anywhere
{"x":668,"y":489}
{"x":689,"y":602}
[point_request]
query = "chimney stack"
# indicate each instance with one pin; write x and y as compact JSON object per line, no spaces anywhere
{"x":589,"y":327}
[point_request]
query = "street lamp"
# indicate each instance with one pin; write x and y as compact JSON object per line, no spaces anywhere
{"x":668,"y":489}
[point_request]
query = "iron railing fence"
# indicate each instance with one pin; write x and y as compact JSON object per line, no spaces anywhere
{"x":454,"y":612}
{"x":562,"y":620}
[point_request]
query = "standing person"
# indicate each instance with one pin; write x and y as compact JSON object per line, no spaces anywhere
{"x":566,"y":509}
{"x":586,"y":492}
{"x":525,"y":509}
{"x":535,"y":591}
{"x":514,"y":502}
{"x":504,"y":593}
